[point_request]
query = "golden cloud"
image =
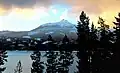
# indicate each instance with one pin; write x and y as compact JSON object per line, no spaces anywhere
{"x":94,"y":8}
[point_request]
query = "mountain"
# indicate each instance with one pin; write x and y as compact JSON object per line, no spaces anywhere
{"x":56,"y":29}
{"x":13,"y":33}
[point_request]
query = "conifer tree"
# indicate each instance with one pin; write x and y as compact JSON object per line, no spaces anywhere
{"x":104,"y":39}
{"x":117,"y":27}
{"x":16,"y":45}
{"x":50,"y":38}
{"x":18,"y":68}
{"x":51,"y":62}
{"x":65,"y":40}
{"x":65,"y":60}
{"x":37,"y":65}
{"x":93,"y":33}
{"x":50,"y":45}
{"x":101,"y":56}
{"x":83,"y":28}
{"x":116,"y":50}
{"x":93,"y":45}
{"x":3,"y":59}
{"x":65,"y":46}
{"x":83,"y":38}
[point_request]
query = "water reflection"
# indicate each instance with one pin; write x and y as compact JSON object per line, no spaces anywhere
{"x":24,"y":57}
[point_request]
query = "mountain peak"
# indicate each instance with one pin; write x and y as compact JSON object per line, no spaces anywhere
{"x":63,"y":20}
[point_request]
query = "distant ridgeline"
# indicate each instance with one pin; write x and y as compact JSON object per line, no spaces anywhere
{"x":56,"y":29}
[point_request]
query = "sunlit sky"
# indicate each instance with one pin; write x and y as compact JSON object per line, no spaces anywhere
{"x":25,"y":15}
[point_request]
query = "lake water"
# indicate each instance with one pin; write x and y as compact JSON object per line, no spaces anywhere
{"x":24,"y":57}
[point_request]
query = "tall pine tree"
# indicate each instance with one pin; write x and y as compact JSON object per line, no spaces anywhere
{"x":93,"y":45}
{"x":104,"y":39}
{"x":117,"y":28}
{"x":116,"y":61}
{"x":101,"y":57}
{"x":83,"y":38}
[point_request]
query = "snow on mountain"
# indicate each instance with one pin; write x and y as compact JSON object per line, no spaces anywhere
{"x":56,"y":29}
{"x":49,"y":32}
{"x":62,"y":23}
{"x":50,"y":28}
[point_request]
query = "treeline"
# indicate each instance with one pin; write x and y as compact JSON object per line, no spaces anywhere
{"x":98,"y":49}
{"x":42,"y":45}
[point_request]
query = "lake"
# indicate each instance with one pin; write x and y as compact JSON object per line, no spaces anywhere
{"x":24,"y":57}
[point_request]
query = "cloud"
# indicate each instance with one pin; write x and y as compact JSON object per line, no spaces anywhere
{"x":91,"y":6}
{"x":24,"y":3}
{"x":64,"y":15}
{"x":94,"y":8}
{"x":7,"y":5}
{"x":54,"y":11}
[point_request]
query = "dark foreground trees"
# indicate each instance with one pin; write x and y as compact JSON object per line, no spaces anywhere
{"x":83,"y":39}
{"x":98,"y":49}
{"x":37,"y":65}
{"x":116,"y":51}
{"x":3,"y":59}
{"x":52,"y":61}
{"x":65,"y":60}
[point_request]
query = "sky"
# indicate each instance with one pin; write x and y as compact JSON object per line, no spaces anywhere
{"x":25,"y":15}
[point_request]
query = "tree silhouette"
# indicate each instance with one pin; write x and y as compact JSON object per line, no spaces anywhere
{"x":93,"y":33}
{"x":117,"y":31}
{"x":3,"y":56}
{"x":116,"y":51}
{"x":16,"y":44}
{"x":65,"y":46}
{"x":65,"y":60}
{"x":93,"y":45}
{"x":101,"y":55}
{"x":18,"y":68}
{"x":37,"y":65}
{"x":51,"y":44}
{"x":83,"y":37}
{"x":51,"y":62}
{"x":50,"y":38}
{"x":1,"y":45}
{"x":83,"y":28}
{"x":65,"y":40}
{"x":104,"y":39}
{"x":117,"y":27}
